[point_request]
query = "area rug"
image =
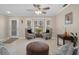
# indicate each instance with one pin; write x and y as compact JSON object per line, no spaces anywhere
{"x":10,"y":40}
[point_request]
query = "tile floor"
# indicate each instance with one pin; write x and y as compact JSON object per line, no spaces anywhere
{"x":18,"y":47}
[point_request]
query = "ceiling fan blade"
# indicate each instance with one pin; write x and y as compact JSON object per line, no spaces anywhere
{"x":65,"y":5}
{"x":44,"y":12}
{"x":36,"y":5}
{"x":46,"y":8}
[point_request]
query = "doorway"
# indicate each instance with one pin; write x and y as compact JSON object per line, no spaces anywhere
{"x":13,"y":28}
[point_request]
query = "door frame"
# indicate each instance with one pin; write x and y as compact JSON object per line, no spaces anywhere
{"x":10,"y":28}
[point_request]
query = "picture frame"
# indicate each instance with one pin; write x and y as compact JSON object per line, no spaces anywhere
{"x":69,"y":18}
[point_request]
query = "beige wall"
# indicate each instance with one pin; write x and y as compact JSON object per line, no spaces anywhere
{"x":60,"y":20}
{"x":3,"y":28}
{"x":53,"y":24}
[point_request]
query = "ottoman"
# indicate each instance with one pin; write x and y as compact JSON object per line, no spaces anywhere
{"x":37,"y":48}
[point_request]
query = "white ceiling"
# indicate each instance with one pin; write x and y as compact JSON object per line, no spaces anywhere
{"x":21,"y":9}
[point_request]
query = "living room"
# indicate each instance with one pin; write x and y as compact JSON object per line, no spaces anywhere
{"x":21,"y":24}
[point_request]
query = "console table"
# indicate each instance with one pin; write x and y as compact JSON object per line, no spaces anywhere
{"x":63,"y":38}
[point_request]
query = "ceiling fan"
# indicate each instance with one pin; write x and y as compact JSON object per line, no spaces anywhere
{"x":65,"y":5}
{"x":38,"y":9}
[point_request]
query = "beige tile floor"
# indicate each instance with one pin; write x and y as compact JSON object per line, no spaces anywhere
{"x":18,"y":47}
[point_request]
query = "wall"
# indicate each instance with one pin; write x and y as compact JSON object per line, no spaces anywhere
{"x":53,"y":24}
{"x":3,"y":28}
{"x":60,"y":20}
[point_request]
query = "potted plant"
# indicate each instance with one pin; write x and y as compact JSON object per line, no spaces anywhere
{"x":75,"y":38}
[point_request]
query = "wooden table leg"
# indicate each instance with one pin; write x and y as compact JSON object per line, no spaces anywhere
{"x":63,"y":41}
{"x":57,"y":40}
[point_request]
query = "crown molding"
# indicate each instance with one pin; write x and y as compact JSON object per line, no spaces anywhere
{"x":63,"y":8}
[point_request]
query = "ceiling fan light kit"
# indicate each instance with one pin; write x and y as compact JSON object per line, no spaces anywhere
{"x":38,"y":12}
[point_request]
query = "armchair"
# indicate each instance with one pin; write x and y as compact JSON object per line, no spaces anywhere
{"x":29,"y":34}
{"x":47,"y":34}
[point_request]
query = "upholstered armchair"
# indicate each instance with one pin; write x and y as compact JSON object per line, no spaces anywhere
{"x":47,"y":34}
{"x":29,"y":34}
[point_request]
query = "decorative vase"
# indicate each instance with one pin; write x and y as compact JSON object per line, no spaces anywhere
{"x":65,"y":34}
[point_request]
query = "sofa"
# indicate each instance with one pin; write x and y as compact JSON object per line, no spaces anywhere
{"x":3,"y":49}
{"x":67,"y":49}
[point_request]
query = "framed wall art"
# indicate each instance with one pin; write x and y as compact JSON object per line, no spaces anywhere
{"x":69,"y":18}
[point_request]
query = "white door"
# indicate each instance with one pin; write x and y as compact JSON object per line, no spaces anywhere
{"x":13,"y":28}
